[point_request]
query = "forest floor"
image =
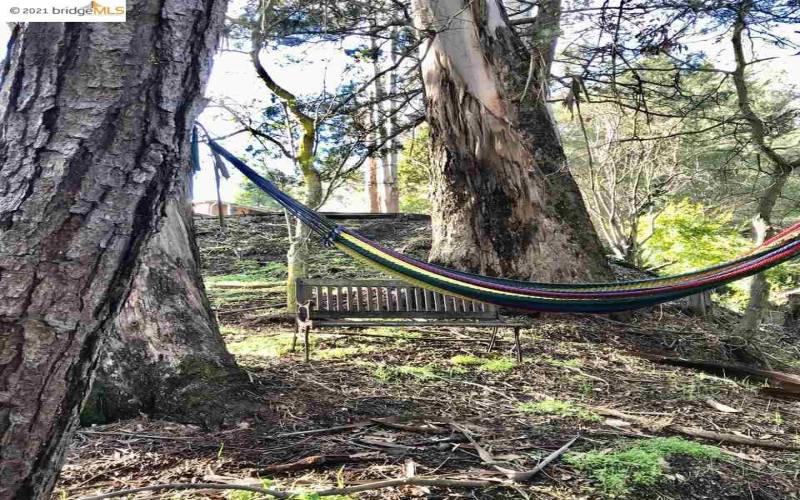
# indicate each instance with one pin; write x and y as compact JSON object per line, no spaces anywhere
{"x":433,"y":403}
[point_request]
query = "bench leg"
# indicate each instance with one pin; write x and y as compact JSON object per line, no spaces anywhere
{"x":517,"y":345}
{"x":306,"y":332}
{"x":492,"y":341}
{"x":294,"y":337}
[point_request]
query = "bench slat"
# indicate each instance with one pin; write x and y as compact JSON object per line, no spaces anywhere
{"x":386,"y":299}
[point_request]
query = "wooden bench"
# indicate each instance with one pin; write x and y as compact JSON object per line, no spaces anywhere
{"x":329,"y":303}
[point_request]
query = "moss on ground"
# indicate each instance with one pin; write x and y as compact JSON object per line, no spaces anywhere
{"x":273,"y":346}
{"x":467,"y":360}
{"x":559,"y":408}
{"x":640,"y":464}
{"x":499,"y":365}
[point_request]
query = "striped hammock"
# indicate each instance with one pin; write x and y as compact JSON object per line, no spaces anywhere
{"x":531,"y":296}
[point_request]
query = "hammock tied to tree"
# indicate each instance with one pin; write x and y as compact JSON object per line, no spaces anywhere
{"x":516,"y":294}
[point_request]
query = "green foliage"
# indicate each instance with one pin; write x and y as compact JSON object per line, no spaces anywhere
{"x":251,"y":271}
{"x":467,"y":360}
{"x":252,"y":195}
{"x":413,"y":172}
{"x":639,"y":464}
{"x":687,"y":236}
{"x":499,"y":365}
{"x":559,"y":408}
{"x":273,"y":346}
{"x":419,"y":372}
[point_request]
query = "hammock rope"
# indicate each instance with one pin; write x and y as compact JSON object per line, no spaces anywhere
{"x":517,"y":294}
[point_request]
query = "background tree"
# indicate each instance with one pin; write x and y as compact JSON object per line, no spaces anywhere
{"x":504,"y":202}
{"x":96,"y":122}
{"x":326,"y":135}
{"x":646,"y":59}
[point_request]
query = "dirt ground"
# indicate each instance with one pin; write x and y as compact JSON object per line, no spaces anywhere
{"x":432,"y":403}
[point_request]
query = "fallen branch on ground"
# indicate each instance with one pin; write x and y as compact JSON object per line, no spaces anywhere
{"x":389,"y":483}
{"x":410,"y":481}
{"x":318,"y":461}
{"x":189,"y":486}
{"x":694,"y":431}
{"x":789,"y":382}
{"x":517,"y":476}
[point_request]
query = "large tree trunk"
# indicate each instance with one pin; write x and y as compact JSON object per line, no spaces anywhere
{"x":164,"y":354}
{"x":503,"y":202}
{"x":96,"y":119}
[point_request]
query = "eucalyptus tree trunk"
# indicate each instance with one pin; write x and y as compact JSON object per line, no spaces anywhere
{"x":164,"y":354}
{"x":96,"y":121}
{"x":371,"y":185}
{"x":504,"y":202}
{"x":390,"y":194}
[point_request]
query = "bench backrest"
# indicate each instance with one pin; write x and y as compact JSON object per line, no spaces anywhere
{"x":385,"y":299}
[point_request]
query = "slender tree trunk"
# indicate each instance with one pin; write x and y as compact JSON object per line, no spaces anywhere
{"x":390,"y":195}
{"x":504,"y":202}
{"x":164,"y":354}
{"x":372,"y":185}
{"x":759,"y":287}
{"x":297,"y":256}
{"x":783,"y":168}
{"x":96,"y":121}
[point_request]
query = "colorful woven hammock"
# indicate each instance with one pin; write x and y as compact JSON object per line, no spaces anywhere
{"x":531,"y":296}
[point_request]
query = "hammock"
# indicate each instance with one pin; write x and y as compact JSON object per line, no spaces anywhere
{"x":531,"y":296}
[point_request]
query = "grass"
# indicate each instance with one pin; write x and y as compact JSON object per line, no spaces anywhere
{"x":494,"y":365}
{"x":559,"y":408}
{"x":499,"y":365}
{"x":273,"y":346}
{"x":385,"y":373}
{"x":251,"y":271}
{"x":466,"y":360}
{"x":636,"y":465}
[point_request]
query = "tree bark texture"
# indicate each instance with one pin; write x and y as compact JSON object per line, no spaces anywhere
{"x":163,"y":354}
{"x":758,"y":300}
{"x":372,"y":185}
{"x":504,"y":202}
{"x":96,"y":120}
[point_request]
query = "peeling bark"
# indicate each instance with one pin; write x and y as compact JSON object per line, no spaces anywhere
{"x":96,"y":121}
{"x":504,"y":201}
{"x":164,"y":354}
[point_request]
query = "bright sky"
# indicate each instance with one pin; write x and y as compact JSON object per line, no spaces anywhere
{"x":234,"y":79}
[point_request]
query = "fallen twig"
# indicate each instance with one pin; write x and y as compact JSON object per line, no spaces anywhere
{"x":138,"y":436}
{"x":528,"y":475}
{"x":190,"y":486}
{"x":318,"y":461}
{"x":421,"y":429}
{"x":410,"y":481}
{"x":389,"y":483}
{"x":337,"y":428}
{"x":517,"y":476}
